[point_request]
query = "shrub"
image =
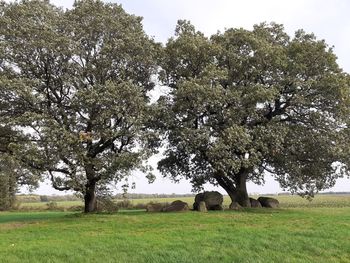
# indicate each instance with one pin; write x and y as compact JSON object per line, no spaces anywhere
{"x":44,"y":198}
{"x":126,"y":204}
{"x":106,"y":205}
{"x":52,"y":206}
{"x":76,"y":208}
{"x":140,"y":206}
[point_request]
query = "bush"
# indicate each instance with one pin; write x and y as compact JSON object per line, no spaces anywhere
{"x":106,"y":205}
{"x":52,"y":206}
{"x":76,"y":208}
{"x":140,"y":206}
{"x":126,"y":204}
{"x":15,"y":205}
{"x":44,"y":198}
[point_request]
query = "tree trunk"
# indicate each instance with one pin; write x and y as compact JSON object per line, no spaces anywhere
{"x":7,"y":190}
{"x":90,"y":197}
{"x":241,"y":192}
{"x":236,"y":189}
{"x":90,"y":189}
{"x":12,"y":190}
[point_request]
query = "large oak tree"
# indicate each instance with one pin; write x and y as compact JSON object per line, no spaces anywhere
{"x":77,"y":83}
{"x":246,"y":102}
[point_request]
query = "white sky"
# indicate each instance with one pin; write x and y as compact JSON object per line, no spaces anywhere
{"x":328,"y":19}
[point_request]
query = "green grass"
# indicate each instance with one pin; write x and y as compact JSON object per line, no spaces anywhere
{"x":18,"y":217}
{"x":260,"y":235}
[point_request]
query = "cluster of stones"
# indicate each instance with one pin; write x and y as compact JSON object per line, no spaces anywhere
{"x":210,"y":201}
{"x":176,"y":206}
{"x":268,"y":202}
{"x":213,"y":201}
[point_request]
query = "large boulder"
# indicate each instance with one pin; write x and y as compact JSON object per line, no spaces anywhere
{"x":202,"y":207}
{"x":197,"y":199}
{"x":154,"y":207}
{"x":213,"y":200}
{"x":235,"y":206}
{"x":268,"y":202}
{"x":254,"y":203}
{"x":177,"y":206}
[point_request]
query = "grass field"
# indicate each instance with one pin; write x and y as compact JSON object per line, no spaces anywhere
{"x":299,"y":231}
{"x":260,"y":235}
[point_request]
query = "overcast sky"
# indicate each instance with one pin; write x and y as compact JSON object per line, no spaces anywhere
{"x":328,"y":19}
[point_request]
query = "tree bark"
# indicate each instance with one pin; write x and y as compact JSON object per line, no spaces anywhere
{"x":236,"y":188}
{"x":90,"y":197}
{"x":90,"y":189}
{"x":241,"y":191}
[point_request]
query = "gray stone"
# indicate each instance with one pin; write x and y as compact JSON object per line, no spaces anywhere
{"x":154,"y":207}
{"x":216,"y":207}
{"x":254,"y":203}
{"x":177,"y":206}
{"x":235,"y":206}
{"x":213,"y":200}
{"x":268,"y":202}
{"x":199,"y":197}
{"x":202,"y":207}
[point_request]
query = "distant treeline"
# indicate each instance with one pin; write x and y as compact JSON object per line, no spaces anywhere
{"x":323,"y":193}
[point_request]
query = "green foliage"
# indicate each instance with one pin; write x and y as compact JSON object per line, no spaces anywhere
{"x":75,"y":106}
{"x":12,"y":172}
{"x":77,"y":82}
{"x":12,"y":175}
{"x":244,"y":103}
{"x":124,"y":204}
{"x":106,"y":204}
{"x":7,"y":191}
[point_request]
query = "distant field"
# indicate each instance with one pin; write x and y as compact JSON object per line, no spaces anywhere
{"x":251,"y":235}
{"x":37,"y":205}
{"x":285,"y":202}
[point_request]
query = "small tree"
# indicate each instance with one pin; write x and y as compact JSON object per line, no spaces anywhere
{"x":7,"y":187}
{"x":244,"y":103}
{"x":77,"y":82}
{"x":12,"y":172}
{"x":13,"y":175}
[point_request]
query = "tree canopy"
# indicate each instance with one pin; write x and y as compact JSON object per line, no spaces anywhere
{"x":75,"y":102}
{"x":246,"y":102}
{"x":76,"y":83}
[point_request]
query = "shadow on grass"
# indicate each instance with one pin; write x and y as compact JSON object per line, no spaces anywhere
{"x":8,"y":217}
{"x":27,"y":216}
{"x":32,"y":216}
{"x":261,"y":210}
{"x":120,"y":212}
{"x":193,"y":212}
